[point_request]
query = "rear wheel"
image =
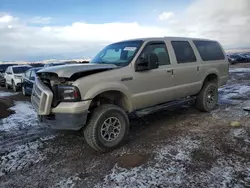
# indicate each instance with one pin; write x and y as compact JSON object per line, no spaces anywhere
{"x":107,"y":127}
{"x":207,"y":99}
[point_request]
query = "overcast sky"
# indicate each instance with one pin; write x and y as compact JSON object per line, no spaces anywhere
{"x":44,"y":29}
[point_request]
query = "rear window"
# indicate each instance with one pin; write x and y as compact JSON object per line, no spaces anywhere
{"x":18,"y":70}
{"x":183,"y":52}
{"x":209,"y":50}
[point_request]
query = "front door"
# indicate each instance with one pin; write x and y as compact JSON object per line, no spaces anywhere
{"x":154,"y":86}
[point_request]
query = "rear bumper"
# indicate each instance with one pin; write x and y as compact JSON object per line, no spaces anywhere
{"x":64,"y":121}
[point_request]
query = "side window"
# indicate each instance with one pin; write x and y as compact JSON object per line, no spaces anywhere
{"x":32,"y":75}
{"x":160,"y":50}
{"x":209,"y":50}
{"x":183,"y":52}
{"x":27,"y":74}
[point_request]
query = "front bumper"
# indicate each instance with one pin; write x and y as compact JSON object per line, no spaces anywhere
{"x":64,"y":121}
{"x":67,"y":116}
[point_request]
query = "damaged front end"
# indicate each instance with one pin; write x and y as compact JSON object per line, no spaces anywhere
{"x":55,"y":85}
{"x":49,"y":90}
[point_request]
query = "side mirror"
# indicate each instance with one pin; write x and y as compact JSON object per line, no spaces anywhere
{"x":32,"y":78}
{"x":150,"y":62}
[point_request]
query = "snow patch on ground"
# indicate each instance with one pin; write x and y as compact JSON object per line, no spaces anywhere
{"x":240,"y":133}
{"x":46,"y":138}
{"x":24,"y":116}
{"x":235,"y":112}
{"x":66,"y":182}
{"x":6,"y":94}
{"x":224,"y":173}
{"x":171,"y":168}
{"x":235,"y":91}
{"x":22,"y":157}
{"x":239,"y":70}
{"x":167,"y":170}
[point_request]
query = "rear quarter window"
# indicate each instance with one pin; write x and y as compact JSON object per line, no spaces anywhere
{"x":209,"y":50}
{"x":183,"y":51}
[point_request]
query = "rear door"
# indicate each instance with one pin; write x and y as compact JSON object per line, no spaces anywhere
{"x":154,"y":86}
{"x":213,"y":59}
{"x":187,"y":76}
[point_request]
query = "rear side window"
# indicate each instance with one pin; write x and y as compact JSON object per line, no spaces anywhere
{"x":209,"y":50}
{"x":183,"y":52}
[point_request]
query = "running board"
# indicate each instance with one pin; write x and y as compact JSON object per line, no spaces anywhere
{"x":163,"y":106}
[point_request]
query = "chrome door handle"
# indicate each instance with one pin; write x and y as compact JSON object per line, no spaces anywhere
{"x":169,"y":71}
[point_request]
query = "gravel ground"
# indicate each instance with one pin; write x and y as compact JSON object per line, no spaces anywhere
{"x":180,"y":147}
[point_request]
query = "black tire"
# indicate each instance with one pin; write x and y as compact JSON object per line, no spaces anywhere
{"x":93,"y":134}
{"x":207,"y":98}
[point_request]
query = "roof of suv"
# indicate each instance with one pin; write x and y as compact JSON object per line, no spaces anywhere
{"x":21,"y":66}
{"x":163,"y":38}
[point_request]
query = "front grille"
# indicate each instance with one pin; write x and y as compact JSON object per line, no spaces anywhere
{"x":41,"y":98}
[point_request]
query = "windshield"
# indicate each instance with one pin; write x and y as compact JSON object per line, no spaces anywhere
{"x":18,"y":70}
{"x":120,"y":54}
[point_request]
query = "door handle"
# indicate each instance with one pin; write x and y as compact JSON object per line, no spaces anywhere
{"x":171,"y":71}
{"x":198,"y":68}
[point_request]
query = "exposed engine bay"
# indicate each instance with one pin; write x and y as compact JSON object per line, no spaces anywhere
{"x":58,"y":84}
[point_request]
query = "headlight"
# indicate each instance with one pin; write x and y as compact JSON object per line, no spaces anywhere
{"x":68,"y":93}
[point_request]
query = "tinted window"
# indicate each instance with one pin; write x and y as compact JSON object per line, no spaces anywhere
{"x":160,"y":50}
{"x":18,"y":70}
{"x":209,"y":50}
{"x":183,"y":52}
{"x":32,"y":74}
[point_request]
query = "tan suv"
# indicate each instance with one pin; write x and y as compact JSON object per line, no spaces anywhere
{"x":125,"y":77}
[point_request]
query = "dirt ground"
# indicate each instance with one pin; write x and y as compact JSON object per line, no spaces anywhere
{"x":179,"y":147}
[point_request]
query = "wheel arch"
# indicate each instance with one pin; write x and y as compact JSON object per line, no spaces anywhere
{"x":211,"y":77}
{"x":112,"y":96}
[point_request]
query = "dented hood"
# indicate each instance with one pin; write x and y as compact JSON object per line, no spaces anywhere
{"x":68,"y":70}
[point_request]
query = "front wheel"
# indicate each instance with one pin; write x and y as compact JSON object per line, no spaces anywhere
{"x":107,"y":128}
{"x":207,"y":99}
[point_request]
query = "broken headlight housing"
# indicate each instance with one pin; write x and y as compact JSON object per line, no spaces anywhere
{"x":66,"y":93}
